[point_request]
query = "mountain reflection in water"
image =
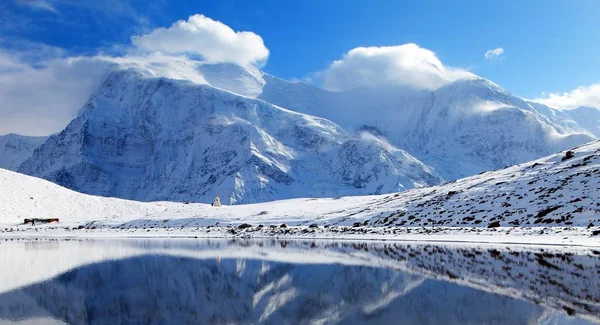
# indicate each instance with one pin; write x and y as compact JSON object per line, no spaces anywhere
{"x":155,"y":281}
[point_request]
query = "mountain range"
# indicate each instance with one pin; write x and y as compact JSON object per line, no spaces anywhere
{"x":251,"y":137}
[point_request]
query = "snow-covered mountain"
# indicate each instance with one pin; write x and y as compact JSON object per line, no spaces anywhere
{"x":252,"y":137}
{"x":152,"y":139}
{"x":461,"y":129}
{"x":15,"y":149}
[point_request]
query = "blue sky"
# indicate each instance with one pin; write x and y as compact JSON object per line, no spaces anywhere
{"x":548,"y":46}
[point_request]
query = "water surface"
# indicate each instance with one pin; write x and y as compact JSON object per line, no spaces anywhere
{"x":162,"y":281}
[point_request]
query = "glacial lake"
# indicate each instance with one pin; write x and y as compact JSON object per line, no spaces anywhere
{"x":244,"y":281}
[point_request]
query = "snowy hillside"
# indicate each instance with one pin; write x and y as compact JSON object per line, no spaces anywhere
{"x":23,"y":196}
{"x":546,"y":192}
{"x":541,"y":194}
{"x":154,"y":139}
{"x":15,"y":149}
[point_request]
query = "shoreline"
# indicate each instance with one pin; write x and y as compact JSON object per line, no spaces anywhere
{"x":536,"y":236}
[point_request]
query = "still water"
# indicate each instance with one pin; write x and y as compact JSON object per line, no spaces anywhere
{"x":158,"y":281}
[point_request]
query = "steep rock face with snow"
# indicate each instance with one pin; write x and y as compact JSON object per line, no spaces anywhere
{"x":461,"y":129}
{"x":158,"y":139}
{"x":15,"y":149}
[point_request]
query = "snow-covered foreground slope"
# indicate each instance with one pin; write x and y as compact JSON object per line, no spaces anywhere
{"x":15,"y":149}
{"x":538,"y":196}
{"x":23,"y":196}
{"x":153,"y":139}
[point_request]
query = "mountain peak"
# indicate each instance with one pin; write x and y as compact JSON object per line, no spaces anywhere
{"x":247,"y":81}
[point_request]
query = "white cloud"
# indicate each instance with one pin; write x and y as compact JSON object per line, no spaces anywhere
{"x":494,"y":54}
{"x":402,"y":65}
{"x":44,"y":99}
{"x":581,"y":96}
{"x":42,"y":88}
{"x":38,"y":5}
{"x":213,"y":40}
{"x":40,"y":101}
{"x":159,"y":65}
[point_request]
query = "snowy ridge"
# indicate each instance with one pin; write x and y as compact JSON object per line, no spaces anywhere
{"x":245,"y":81}
{"x":153,"y":139}
{"x":15,"y":149}
{"x":461,"y":129}
{"x":581,"y":119}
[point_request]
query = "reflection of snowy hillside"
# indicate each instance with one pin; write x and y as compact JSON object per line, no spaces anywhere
{"x":159,"y":289}
{"x":371,"y":283}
